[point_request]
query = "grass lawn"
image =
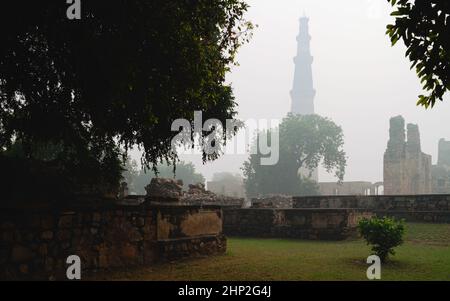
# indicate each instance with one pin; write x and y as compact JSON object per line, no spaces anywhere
{"x":425,"y":255}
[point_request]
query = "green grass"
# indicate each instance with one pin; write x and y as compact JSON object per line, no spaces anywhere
{"x":425,"y":255}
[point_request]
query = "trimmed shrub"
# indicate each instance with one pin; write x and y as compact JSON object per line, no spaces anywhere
{"x":384,"y":234}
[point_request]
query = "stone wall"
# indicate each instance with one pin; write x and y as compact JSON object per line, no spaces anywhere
{"x":415,"y":208}
{"x":323,"y":224}
{"x":429,"y":202}
{"x":417,"y":216}
{"x":274,"y":201}
{"x":217,"y":200}
{"x":35,"y":241}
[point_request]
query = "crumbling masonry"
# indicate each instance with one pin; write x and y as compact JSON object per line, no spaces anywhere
{"x":407,"y":170}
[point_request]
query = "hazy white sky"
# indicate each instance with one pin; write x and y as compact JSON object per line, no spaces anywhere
{"x":361,"y":81}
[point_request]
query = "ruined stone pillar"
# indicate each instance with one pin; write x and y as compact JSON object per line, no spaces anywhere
{"x":394,"y":157}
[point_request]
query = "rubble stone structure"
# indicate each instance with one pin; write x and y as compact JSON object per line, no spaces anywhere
{"x":170,"y":190}
{"x":272,"y":201}
{"x":166,"y":224}
{"x":407,"y":170}
{"x":36,"y":241}
{"x":441,"y":171}
{"x":165,"y":188}
{"x":197,"y":195}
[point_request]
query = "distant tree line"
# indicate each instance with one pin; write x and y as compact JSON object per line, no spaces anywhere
{"x":138,"y":178}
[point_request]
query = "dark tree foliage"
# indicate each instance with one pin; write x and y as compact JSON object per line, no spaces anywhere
{"x":424,"y":27}
{"x":116,"y":78}
{"x":305,"y":141}
{"x":47,"y":177}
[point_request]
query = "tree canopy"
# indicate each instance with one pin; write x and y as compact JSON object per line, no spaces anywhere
{"x":305,"y":141}
{"x":117,"y":77}
{"x":424,"y":27}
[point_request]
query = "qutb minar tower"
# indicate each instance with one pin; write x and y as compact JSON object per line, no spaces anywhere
{"x":303,"y":92}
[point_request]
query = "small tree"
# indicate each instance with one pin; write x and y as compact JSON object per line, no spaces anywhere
{"x":384,"y":234}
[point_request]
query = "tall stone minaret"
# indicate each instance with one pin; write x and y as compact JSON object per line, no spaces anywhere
{"x":303,"y":92}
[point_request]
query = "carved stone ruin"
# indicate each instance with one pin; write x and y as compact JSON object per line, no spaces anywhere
{"x":441,"y":171}
{"x":166,"y":190}
{"x":407,"y":170}
{"x":198,"y":195}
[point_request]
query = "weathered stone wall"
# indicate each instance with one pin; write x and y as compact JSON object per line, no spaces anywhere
{"x":217,"y":200}
{"x":274,"y":201}
{"x":429,"y":202}
{"x":324,"y":224}
{"x":35,"y":242}
{"x":417,"y":216}
{"x":418,"y":208}
{"x":406,"y":169}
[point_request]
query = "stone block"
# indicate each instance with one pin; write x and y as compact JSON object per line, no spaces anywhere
{"x":47,"y":235}
{"x":21,"y":254}
{"x":319,"y":221}
{"x":63,"y":235}
{"x":65,"y":221}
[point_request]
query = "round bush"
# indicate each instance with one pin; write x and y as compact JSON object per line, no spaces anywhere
{"x":384,"y":234}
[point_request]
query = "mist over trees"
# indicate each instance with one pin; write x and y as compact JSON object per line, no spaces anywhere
{"x":138,"y":178}
{"x":226,"y":176}
{"x":305,"y":142}
{"x":424,"y":27}
{"x":93,"y":88}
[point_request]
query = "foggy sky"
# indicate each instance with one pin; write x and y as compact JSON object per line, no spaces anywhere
{"x":361,"y":81}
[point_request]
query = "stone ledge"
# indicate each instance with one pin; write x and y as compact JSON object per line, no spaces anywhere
{"x":373,"y":196}
{"x":171,"y":249}
{"x":322,"y":210}
{"x":432,"y":202}
{"x":180,"y":239}
{"x":329,"y":224}
{"x":417,"y":216}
